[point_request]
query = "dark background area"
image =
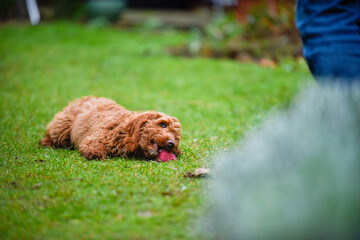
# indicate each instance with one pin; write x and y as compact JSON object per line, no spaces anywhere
{"x":74,"y":9}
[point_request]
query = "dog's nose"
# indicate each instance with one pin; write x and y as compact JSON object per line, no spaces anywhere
{"x":170,"y":144}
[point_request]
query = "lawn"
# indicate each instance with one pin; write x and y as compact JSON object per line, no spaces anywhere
{"x":57,"y":194}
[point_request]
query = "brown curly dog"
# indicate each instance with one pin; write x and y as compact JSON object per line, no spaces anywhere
{"x":99,"y":128}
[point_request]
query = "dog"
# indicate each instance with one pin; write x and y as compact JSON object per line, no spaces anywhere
{"x":101,"y":128}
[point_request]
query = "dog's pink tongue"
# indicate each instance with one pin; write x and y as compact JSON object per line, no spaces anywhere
{"x":165,"y":156}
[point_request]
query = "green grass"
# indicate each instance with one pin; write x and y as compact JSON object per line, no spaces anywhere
{"x":66,"y":197}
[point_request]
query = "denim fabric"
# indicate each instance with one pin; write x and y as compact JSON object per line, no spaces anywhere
{"x":330,"y":32}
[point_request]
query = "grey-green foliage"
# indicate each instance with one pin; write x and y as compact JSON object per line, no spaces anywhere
{"x":295,"y":177}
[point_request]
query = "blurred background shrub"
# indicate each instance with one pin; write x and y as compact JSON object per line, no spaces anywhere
{"x":264,"y":32}
{"x":257,"y":30}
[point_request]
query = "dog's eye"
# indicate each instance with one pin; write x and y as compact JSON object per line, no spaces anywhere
{"x":163,"y":125}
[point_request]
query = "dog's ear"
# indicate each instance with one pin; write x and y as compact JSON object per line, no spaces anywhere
{"x":177,"y":126}
{"x":135,"y":124}
{"x":134,"y":128}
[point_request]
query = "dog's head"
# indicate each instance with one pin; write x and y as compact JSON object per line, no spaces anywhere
{"x":153,"y":132}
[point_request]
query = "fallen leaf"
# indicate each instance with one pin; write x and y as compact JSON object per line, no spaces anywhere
{"x":202,"y":171}
{"x":199,"y":172}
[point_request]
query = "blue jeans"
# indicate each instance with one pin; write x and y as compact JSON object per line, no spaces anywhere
{"x":330,"y":32}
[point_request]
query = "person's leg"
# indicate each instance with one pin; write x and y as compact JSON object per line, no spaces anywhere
{"x":331,"y":37}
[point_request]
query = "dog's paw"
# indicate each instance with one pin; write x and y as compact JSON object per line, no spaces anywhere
{"x":45,"y":142}
{"x":93,"y":155}
{"x":92,"y":151}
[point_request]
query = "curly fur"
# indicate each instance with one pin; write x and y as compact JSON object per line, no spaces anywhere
{"x":100,"y":128}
